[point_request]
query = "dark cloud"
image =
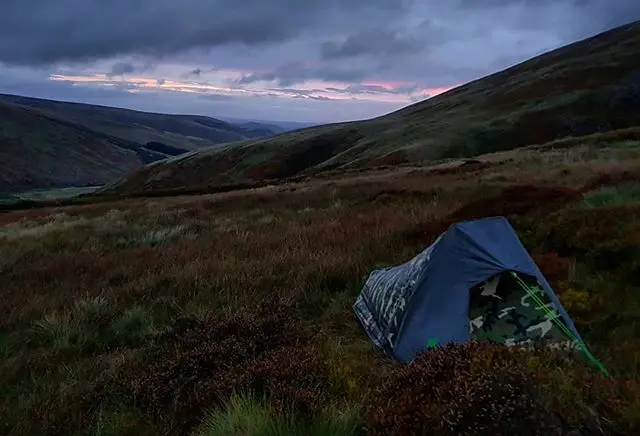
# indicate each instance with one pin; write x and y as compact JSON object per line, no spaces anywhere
{"x":122,"y":68}
{"x":375,"y":89}
{"x":195,"y":73}
{"x":284,"y":42}
{"x":36,"y":32}
{"x":373,"y":42}
{"x":295,"y":73}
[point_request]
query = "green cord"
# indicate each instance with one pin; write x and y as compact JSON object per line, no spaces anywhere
{"x":555,"y":318}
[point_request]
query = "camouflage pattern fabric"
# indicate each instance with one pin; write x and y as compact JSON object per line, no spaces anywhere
{"x":383,"y":302}
{"x":501,"y":311}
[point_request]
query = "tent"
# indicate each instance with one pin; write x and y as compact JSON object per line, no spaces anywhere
{"x":476,"y":281}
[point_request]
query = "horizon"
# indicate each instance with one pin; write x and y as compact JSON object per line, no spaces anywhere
{"x":276,"y":65}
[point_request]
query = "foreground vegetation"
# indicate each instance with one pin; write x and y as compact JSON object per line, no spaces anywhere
{"x":231,"y":313}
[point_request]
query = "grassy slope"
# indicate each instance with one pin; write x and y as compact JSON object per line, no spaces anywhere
{"x":37,"y":151}
{"x":140,"y":316}
{"x":45,"y":144}
{"x":183,"y":131}
{"x":586,"y":87}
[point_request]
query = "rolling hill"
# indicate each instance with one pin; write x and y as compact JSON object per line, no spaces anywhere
{"x":182,"y":131}
{"x":589,"y":86}
{"x":51,"y":144}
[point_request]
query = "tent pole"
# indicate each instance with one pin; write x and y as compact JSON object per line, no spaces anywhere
{"x":555,"y":318}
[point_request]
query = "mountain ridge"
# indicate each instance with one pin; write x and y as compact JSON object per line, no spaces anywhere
{"x":56,"y":144}
{"x":586,"y":87}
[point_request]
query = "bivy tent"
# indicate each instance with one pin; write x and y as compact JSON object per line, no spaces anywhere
{"x":475,"y":281}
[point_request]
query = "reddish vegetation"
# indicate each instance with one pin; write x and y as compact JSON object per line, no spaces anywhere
{"x":427,"y":232}
{"x":466,"y":167}
{"x":553,"y":267}
{"x":609,"y":237}
{"x":596,"y":139}
{"x":478,"y":389}
{"x":452,"y":391}
{"x":611,"y":179}
{"x":398,"y":157}
{"x":307,"y":252}
{"x":204,"y":362}
{"x":518,"y":200}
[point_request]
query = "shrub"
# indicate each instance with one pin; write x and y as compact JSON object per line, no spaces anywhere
{"x":611,"y":179}
{"x":555,"y":268}
{"x":607,"y":238}
{"x":473,"y":389}
{"x":202,"y":363}
{"x":517,"y":200}
{"x":481,"y":389}
{"x":292,"y":378}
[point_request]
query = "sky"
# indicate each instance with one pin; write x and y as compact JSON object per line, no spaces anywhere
{"x":296,"y":60}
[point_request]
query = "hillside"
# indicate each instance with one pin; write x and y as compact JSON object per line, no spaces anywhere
{"x":147,"y":316}
{"x":51,"y":144}
{"x":182,"y":131}
{"x":586,"y":87}
{"x":38,"y":151}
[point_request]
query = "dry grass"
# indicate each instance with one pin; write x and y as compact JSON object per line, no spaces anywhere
{"x":112,"y":311}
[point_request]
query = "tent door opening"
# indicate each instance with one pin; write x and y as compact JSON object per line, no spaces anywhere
{"x":503,"y":311}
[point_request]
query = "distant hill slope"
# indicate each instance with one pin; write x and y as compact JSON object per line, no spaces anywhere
{"x":589,"y":86}
{"x":38,"y":151}
{"x":181,"y":131}
{"x":52,"y":144}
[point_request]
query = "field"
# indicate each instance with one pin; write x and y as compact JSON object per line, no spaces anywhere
{"x":230,"y":313}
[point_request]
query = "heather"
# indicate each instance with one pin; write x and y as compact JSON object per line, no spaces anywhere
{"x":230,"y":313}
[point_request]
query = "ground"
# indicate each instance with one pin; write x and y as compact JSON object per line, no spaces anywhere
{"x":231,"y":313}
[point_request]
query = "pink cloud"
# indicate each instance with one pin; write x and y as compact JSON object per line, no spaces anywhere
{"x":436,"y":91}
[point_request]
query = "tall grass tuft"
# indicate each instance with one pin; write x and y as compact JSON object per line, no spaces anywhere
{"x":249,"y":415}
{"x":246,"y":415}
{"x":133,"y":324}
{"x":612,"y":196}
{"x":59,"y":330}
{"x":93,"y":311}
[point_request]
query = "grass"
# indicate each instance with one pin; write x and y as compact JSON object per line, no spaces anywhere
{"x":232,"y":312}
{"x":248,"y":415}
{"x":613,"y":196}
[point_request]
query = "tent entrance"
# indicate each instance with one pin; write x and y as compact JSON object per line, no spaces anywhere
{"x":515,"y":311}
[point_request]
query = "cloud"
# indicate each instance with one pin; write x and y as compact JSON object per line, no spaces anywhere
{"x":121,"y":68}
{"x":294,"y":73}
{"x":36,"y":32}
{"x":371,"y":42}
{"x":277,"y":57}
{"x":376,"y":89}
{"x":195,"y":72}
